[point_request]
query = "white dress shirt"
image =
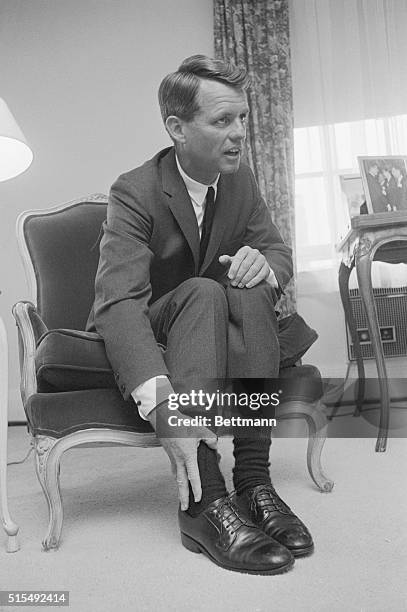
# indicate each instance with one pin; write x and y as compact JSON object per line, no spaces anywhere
{"x":155,"y":390}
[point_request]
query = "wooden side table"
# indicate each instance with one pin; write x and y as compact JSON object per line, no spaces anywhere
{"x":380,"y":237}
{"x":10,"y":527}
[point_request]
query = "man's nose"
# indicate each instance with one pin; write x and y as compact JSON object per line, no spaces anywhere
{"x":238,"y":131}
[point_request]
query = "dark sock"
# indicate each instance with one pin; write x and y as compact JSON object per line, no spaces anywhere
{"x":251,"y":461}
{"x":251,"y":445}
{"x":213,"y":483}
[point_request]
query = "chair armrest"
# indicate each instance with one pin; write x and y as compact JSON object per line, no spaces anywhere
{"x":30,"y":327}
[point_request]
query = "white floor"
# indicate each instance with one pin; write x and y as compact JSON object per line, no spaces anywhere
{"x":121,"y":548}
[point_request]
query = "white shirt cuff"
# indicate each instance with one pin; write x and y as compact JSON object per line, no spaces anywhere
{"x":151,"y":393}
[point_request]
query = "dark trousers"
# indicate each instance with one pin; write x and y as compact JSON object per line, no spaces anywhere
{"x":213,"y":332}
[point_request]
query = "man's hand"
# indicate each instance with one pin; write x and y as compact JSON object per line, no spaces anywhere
{"x":248,"y":267}
{"x":182,"y":450}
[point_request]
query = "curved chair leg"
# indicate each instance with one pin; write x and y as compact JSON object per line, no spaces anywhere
{"x":48,"y":453}
{"x":48,"y":458}
{"x":316,"y":441}
{"x":317,"y":422}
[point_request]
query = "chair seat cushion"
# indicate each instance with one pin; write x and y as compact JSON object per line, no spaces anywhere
{"x":301,"y":383}
{"x":60,"y":414}
{"x":71,"y":360}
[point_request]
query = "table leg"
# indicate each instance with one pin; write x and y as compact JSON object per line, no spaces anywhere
{"x":364,"y":258}
{"x":9,"y":526}
{"x":343,"y":279}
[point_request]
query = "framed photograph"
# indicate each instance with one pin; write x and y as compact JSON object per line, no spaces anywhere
{"x":353,"y":194}
{"x":384,"y":182}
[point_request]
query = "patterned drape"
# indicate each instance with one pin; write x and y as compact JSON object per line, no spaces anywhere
{"x":255,"y":34}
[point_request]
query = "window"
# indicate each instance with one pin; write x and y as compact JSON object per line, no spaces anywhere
{"x":322,"y":154}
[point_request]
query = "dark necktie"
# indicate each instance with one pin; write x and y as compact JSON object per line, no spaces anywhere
{"x":207,"y":223}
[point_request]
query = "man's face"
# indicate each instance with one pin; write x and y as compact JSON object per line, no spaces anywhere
{"x":374,"y":170}
{"x":213,"y":139}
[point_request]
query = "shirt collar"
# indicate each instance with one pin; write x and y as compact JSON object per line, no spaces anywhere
{"x":197,"y":191}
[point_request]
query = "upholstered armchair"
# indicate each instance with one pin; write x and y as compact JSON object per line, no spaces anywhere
{"x":67,"y":386}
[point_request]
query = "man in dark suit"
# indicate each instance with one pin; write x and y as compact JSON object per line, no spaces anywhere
{"x":398,"y":189}
{"x":191,"y":267}
{"x":378,"y":199}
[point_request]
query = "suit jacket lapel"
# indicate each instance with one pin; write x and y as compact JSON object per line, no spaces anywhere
{"x":180,"y":203}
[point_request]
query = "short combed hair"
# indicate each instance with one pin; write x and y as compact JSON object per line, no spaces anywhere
{"x":178,"y":91}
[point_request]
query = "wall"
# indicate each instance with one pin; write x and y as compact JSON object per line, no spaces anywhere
{"x":81,"y":77}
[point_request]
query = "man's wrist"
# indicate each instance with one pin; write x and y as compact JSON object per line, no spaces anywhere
{"x":157,"y":412}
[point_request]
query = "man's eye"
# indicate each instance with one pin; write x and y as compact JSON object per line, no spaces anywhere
{"x":223,"y":121}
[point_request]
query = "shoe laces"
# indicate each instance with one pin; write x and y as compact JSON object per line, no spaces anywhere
{"x":267,"y":499}
{"x":229,"y":515}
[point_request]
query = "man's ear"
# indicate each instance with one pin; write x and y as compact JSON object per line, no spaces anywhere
{"x":175,"y":128}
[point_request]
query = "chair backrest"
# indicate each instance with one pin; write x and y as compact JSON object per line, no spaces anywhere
{"x":60,"y":251}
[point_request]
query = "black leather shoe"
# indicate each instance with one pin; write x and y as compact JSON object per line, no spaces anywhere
{"x":268,"y":511}
{"x":231,"y":541}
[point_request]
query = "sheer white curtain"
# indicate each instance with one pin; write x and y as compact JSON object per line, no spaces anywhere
{"x":350,"y":99}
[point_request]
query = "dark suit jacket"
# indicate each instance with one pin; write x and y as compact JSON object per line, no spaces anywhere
{"x":392,"y":195}
{"x":379,"y":202}
{"x":151,"y":245}
{"x":397,"y":195}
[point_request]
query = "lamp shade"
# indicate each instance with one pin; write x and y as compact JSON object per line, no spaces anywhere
{"x":15,"y":154}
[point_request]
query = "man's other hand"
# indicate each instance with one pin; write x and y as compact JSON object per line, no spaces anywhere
{"x":248,"y":267}
{"x":182,"y":450}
